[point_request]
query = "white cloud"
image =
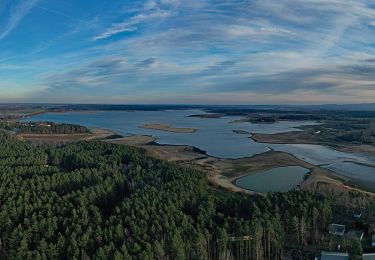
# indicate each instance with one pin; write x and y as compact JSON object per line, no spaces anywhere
{"x":245,"y":51}
{"x":131,"y":24}
{"x":18,"y":13}
{"x":248,"y":31}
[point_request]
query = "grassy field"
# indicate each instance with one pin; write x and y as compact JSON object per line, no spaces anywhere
{"x":59,"y":139}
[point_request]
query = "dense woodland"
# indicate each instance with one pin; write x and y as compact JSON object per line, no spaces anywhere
{"x":42,"y":128}
{"x":94,"y":199}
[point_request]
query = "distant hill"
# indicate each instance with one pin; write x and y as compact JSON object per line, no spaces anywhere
{"x":158,"y":107}
{"x":354,"y":107}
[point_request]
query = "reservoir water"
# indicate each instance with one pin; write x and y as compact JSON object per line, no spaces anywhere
{"x":279,"y":179}
{"x":216,"y":136}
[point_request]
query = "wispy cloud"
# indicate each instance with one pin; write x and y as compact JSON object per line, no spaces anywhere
{"x":131,"y":24}
{"x":16,"y":16}
{"x":219,"y":51}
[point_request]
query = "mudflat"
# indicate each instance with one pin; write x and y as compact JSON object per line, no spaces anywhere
{"x":222,"y":173}
{"x":168,"y":128}
{"x":303,"y":137}
{"x":135,"y":140}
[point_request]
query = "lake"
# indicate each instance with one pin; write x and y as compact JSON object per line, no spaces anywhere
{"x":279,"y":179}
{"x":216,"y":137}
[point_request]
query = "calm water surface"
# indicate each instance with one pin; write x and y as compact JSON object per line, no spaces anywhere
{"x":278,"y":179}
{"x":216,"y":137}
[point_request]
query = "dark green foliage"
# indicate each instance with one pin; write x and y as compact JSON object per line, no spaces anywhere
{"x":43,"y":128}
{"x":356,"y":247}
{"x":114,"y":202}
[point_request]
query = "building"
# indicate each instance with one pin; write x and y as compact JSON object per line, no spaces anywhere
{"x":373,"y":240}
{"x":334,"y":256}
{"x":336,"y":229}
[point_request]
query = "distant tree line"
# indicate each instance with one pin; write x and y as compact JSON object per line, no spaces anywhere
{"x":43,"y":128}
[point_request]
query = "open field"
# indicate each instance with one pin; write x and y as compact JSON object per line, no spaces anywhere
{"x":53,"y":138}
{"x":134,"y":140}
{"x":19,"y":112}
{"x":168,"y":128}
{"x":96,"y":134}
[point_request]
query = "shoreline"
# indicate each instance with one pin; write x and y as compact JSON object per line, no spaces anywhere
{"x":279,"y":139}
{"x":219,"y":171}
{"x":197,"y":157}
{"x":168,"y":128}
{"x":307,"y":175}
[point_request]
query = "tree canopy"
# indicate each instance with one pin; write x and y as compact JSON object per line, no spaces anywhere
{"x":106,"y":201}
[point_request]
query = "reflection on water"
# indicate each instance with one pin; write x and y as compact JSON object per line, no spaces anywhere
{"x":216,"y":137}
{"x":279,"y":179}
{"x":354,"y":166}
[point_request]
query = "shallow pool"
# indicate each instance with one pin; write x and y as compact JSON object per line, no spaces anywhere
{"x":279,"y":179}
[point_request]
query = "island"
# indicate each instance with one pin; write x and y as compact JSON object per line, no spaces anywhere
{"x":168,"y":128}
{"x":208,"y":115}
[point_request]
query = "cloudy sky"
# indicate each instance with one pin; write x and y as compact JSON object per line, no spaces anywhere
{"x":190,"y":52}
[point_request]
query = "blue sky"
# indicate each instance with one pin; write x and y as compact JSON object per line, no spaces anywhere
{"x":196,"y":51}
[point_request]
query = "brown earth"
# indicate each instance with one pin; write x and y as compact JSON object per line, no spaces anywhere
{"x":135,"y":140}
{"x":96,"y":134}
{"x":222,"y":173}
{"x":168,"y":128}
{"x":302,"y":137}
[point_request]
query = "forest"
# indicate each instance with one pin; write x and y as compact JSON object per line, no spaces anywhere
{"x":42,"y":128}
{"x":95,"y":200}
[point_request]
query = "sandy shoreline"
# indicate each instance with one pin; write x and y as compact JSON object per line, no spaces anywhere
{"x":303,"y":138}
{"x":222,"y":173}
{"x":163,"y":127}
{"x":134,"y":140}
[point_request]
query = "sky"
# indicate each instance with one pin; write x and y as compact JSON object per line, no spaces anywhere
{"x":187,"y":52}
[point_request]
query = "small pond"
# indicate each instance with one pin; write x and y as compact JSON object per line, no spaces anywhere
{"x":279,"y":179}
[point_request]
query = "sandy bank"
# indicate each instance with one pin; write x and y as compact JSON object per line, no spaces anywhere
{"x":168,"y":128}
{"x":302,"y":137}
{"x":135,"y":140}
{"x":222,"y":173}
